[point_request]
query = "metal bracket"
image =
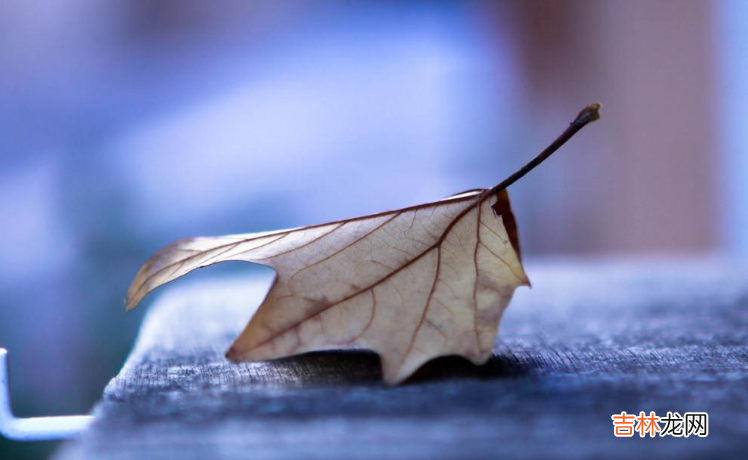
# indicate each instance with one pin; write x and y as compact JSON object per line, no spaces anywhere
{"x":36,"y":428}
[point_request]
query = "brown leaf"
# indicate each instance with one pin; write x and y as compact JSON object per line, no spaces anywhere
{"x":410,"y":284}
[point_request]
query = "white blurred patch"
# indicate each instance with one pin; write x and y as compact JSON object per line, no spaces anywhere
{"x":349,"y":122}
{"x":32,"y":238}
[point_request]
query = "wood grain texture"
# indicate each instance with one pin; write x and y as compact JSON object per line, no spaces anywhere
{"x":591,"y":339}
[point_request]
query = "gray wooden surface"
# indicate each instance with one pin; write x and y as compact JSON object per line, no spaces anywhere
{"x":589,"y":340}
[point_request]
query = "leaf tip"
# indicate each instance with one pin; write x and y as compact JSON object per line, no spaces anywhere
{"x":233,"y":354}
{"x":131,"y":300}
{"x":393,"y":380}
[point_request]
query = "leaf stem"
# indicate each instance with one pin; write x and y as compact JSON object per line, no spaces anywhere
{"x":586,"y":116}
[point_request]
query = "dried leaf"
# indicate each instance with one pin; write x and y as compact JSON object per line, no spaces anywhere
{"x":410,"y":284}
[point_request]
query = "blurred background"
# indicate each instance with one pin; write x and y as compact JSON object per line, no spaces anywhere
{"x":127,"y":125}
